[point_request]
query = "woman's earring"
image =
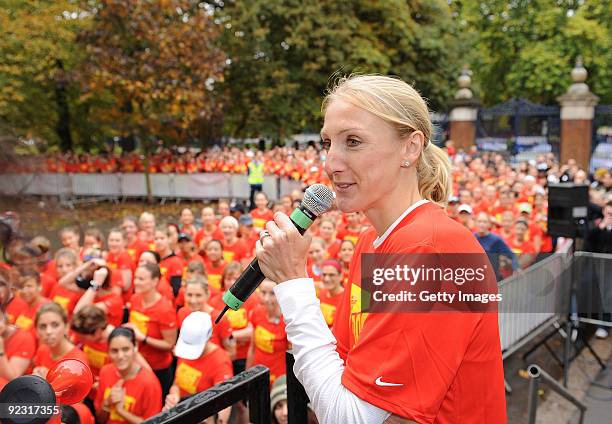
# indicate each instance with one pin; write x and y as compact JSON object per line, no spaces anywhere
{"x":406,"y":164}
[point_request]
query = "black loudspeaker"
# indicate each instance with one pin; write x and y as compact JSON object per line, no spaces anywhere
{"x":567,"y":209}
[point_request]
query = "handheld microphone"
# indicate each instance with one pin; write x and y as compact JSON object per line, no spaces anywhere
{"x":318,"y":199}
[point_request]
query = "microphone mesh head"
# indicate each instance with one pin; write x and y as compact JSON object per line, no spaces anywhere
{"x":318,"y":199}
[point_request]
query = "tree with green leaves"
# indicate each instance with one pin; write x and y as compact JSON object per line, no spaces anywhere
{"x":159,"y":62}
{"x":528,"y":48}
{"x":284,"y":54}
{"x":38,"y":97}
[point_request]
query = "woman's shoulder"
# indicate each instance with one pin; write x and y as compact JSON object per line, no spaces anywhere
{"x":433,"y":230}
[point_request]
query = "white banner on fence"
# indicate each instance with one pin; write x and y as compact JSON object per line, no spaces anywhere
{"x":194,"y":186}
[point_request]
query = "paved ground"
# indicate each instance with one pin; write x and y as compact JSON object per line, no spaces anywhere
{"x":552,"y":408}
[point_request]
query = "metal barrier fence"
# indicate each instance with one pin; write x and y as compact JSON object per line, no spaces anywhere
{"x":212,"y":185}
{"x":532,"y":300}
{"x":593,"y":290}
{"x":252,"y":384}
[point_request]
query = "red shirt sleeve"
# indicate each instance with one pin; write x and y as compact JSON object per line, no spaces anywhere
{"x":152,"y":394}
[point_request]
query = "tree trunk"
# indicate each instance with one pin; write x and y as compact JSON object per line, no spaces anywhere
{"x":63,"y":123}
{"x":145,"y":150}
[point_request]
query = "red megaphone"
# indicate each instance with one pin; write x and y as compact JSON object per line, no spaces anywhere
{"x":71,"y":380}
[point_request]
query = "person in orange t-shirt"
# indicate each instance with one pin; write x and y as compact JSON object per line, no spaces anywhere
{"x":408,"y":367}
{"x":352,"y":230}
{"x":269,"y":342}
{"x":196,"y":299}
{"x":101,"y":294}
{"x":52,"y":330}
{"x":187,"y":223}
{"x":209,"y":230}
{"x":171,"y":266}
{"x":522,"y":248}
{"x":316,"y":257}
{"x":119,"y":262}
{"x":127,"y":391}
{"x":134,"y":245}
{"x":234,"y":249}
{"x":261,"y":214}
{"x":163,"y":286}
{"x":331,"y":295}
{"x":201,"y":363}
{"x":214,"y":265}
{"x":17,"y":347}
{"x":327,"y":232}
{"x":241,"y":328}
{"x":153,"y":319}
{"x":66,"y":292}
{"x":28,"y":290}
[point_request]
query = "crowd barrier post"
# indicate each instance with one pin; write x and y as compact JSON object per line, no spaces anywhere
{"x":252,"y":384}
{"x":538,"y":376}
{"x":297,"y":399}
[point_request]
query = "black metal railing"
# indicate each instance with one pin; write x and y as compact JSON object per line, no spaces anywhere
{"x":297,"y":400}
{"x":252,"y":384}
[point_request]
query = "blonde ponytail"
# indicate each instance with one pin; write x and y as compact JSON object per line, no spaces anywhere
{"x":399,"y":104}
{"x":434,"y":174}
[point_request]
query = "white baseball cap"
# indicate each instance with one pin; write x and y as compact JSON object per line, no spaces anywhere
{"x":195,"y":333}
{"x":465,"y":208}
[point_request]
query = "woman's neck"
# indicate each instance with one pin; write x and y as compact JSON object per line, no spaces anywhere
{"x":150,"y":297}
{"x":273,"y":314}
{"x":336,"y":291}
{"x":61,"y":349}
{"x":165,"y":253}
{"x":130,"y":372}
{"x":382,"y":216}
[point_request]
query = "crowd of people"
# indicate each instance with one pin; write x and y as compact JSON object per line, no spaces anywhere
{"x":128,"y":301}
{"x":290,"y":162}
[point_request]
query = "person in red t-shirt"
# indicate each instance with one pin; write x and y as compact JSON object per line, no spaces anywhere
{"x":187,"y":249}
{"x":91,"y":329}
{"x":214,"y":264}
{"x":187,"y":223}
{"x":269,"y":342}
{"x":170,"y":265}
{"x":261,"y":214}
{"x":234,"y":249}
{"x":332,"y":292}
{"x":209,"y":230}
{"x":153,"y":320}
{"x":347,"y":250}
{"x":196,"y":299}
{"x":534,"y":232}
{"x":146,"y":224}
{"x":101,"y":294}
{"x":66,"y":292}
{"x":387,"y":367}
{"x":248,"y":235}
{"x":327,"y":232}
{"x":201,"y":364}
{"x":17,"y":347}
{"x":241,"y":328}
{"x":119,"y":261}
{"x":316,"y":257}
{"x":52,"y":328}
{"x":353,"y":228}
{"x":127,"y":391}
{"x":134,"y":245}
{"x":163,"y":286}
{"x":522,"y":248}
{"x":70,"y":238}
{"x":28,"y":290}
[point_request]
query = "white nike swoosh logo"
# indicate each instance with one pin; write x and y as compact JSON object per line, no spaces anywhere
{"x":379,"y":382}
